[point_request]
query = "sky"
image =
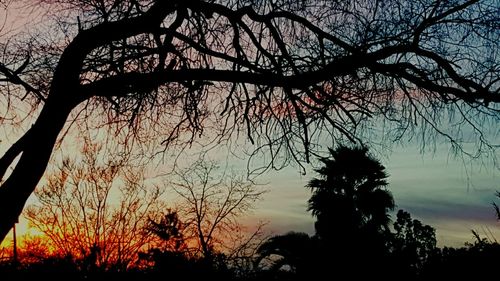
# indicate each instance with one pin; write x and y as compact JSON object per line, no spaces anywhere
{"x":441,"y":190}
{"x":437,"y":188}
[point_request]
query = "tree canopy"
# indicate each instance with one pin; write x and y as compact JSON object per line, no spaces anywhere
{"x":284,"y":73}
{"x":350,"y":195}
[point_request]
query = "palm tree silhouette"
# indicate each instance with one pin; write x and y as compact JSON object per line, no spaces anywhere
{"x":351,"y":204}
{"x":350,"y":195}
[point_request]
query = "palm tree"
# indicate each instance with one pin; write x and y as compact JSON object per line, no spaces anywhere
{"x":351,"y":204}
{"x":350,"y":194}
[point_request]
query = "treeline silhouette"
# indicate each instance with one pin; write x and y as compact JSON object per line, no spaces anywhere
{"x":354,"y":239}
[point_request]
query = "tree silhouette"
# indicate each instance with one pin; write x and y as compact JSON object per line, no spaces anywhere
{"x":350,"y":194}
{"x":96,"y":209}
{"x":176,"y":258}
{"x":284,"y":74}
{"x":170,"y":230}
{"x":32,"y":249}
{"x":413,"y":245}
{"x":211,"y":200}
{"x":173,"y":255}
{"x":477,"y":260}
{"x":351,"y":204}
{"x":293,"y":252}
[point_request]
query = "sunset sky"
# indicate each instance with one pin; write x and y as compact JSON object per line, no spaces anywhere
{"x":439,"y":188}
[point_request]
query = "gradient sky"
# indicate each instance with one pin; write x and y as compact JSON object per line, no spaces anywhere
{"x":438,"y":189}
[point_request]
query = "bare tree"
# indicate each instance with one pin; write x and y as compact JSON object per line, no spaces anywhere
{"x":31,"y":249}
{"x":285,"y":73}
{"x":210,"y":204}
{"x":96,"y":210}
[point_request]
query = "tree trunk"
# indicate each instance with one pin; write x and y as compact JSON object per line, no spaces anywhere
{"x":65,"y":94}
{"x":37,"y":148}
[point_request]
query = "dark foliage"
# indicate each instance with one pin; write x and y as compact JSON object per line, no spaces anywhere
{"x":351,"y":204}
{"x":412,"y":245}
{"x":349,"y":195}
{"x":476,"y":261}
{"x":361,"y":246}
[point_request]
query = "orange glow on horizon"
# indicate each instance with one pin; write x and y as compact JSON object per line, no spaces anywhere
{"x":23,"y":230}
